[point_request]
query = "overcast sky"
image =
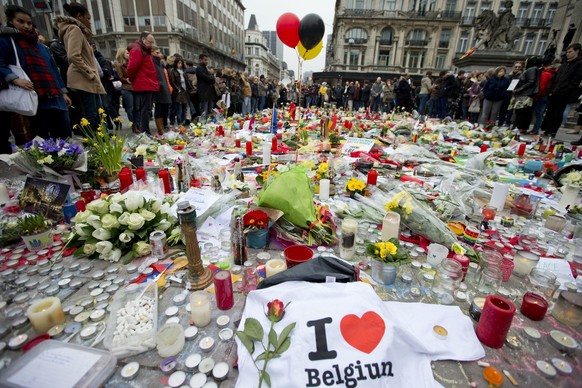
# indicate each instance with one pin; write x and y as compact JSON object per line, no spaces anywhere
{"x":268,"y":11}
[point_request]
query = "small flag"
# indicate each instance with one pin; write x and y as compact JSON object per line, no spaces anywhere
{"x":469,"y":52}
{"x":274,"y":125}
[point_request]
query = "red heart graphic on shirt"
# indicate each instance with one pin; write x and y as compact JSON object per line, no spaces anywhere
{"x":363,"y":333}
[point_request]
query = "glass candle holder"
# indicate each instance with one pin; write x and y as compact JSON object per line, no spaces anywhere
{"x":544,"y":283}
{"x":490,"y":281}
{"x":524,"y":262}
{"x":568,"y":308}
{"x":447,"y":280}
{"x":488,"y":213}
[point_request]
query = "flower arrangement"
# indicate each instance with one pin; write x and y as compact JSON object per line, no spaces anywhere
{"x":355,"y":186}
{"x":107,"y":147}
{"x":276,"y":345}
{"x":118,"y":227}
{"x":255,"y":220}
{"x":263,"y":177}
{"x":572,"y":178}
{"x":388,"y":252}
{"x":34,"y":224}
{"x":55,"y":153}
{"x":322,"y":170}
{"x":488,"y":126}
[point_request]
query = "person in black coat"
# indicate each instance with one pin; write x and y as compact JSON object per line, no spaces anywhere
{"x":404,"y":93}
{"x":206,"y":82}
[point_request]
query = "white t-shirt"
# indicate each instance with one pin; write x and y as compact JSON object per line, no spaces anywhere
{"x":345,"y":335}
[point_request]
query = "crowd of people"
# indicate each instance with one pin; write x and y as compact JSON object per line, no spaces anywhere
{"x":73,"y":80}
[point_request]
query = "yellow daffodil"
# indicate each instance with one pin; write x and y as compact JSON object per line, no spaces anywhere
{"x":113,"y":137}
{"x":100,"y":111}
{"x":84,"y":122}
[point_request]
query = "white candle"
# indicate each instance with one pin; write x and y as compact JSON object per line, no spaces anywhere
{"x":192,"y":361}
{"x":563,"y":367}
{"x":177,"y":379}
{"x":198,"y":380}
{"x":206,"y":344}
{"x":500,"y":191}
{"x":391,"y":226}
{"x":524,"y":262}
{"x":200,"y":308}
{"x":546,"y":368}
{"x":274,"y":266}
{"x":220,"y":371}
{"x":191,"y":332}
{"x":323,"y":189}
{"x":562,"y":341}
{"x":348,"y":240}
{"x":4,"y":197}
{"x":206,"y":365}
{"x":222,"y":321}
{"x":130,"y":370}
{"x":267,"y":153}
{"x":45,"y":314}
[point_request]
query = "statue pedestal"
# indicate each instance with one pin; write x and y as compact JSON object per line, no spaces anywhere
{"x":485,"y":59}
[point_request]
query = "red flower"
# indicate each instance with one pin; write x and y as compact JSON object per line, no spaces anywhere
{"x":256,"y":219}
{"x":275,"y":310}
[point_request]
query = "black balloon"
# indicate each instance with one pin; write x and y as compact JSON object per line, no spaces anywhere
{"x":311,"y":30}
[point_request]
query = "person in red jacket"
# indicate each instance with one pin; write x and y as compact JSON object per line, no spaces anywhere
{"x":144,"y":78}
{"x":541,"y":100}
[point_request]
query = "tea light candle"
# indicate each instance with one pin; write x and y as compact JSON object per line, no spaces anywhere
{"x":324,"y":185}
{"x":131,"y":268}
{"x":563,"y":367}
{"x":534,"y":306}
{"x":46,"y":313}
{"x":206,"y":365}
{"x":177,"y":379}
{"x":225,"y":334}
{"x":206,"y":344}
{"x":275,"y":266}
{"x":16,"y":343}
{"x":192,"y":361}
{"x":200,"y":308}
{"x":98,"y":275}
{"x":390,"y":226}
{"x":546,"y":368}
{"x":168,"y":365}
{"x":88,"y":332}
{"x":223,"y":321}
{"x":440,"y":332}
{"x":220,"y":371}
{"x":129,"y":371}
{"x":198,"y":380}
{"x":173,"y":320}
{"x":171,"y":311}
{"x":562,"y":341}
{"x":179,"y":299}
{"x":532,"y":334}
{"x":97,"y":315}
{"x":82,"y":317}
{"x":191,"y":332}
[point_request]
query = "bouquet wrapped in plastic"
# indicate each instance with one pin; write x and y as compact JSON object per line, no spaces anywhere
{"x":421,"y":220}
{"x":291,"y":193}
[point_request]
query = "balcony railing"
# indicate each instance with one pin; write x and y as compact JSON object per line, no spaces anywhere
{"x":444,"y":44}
{"x":360,"y":12}
{"x":520,"y":22}
{"x":467,"y":20}
{"x":416,"y":42}
{"x":442,"y":15}
{"x":537,"y":22}
{"x":386,"y":42}
{"x":356,"y":40}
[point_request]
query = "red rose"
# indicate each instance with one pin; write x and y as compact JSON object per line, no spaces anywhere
{"x":275,"y":310}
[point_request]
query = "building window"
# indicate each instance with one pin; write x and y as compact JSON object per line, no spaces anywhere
{"x":450,"y":6}
{"x":440,"y":61}
{"x":386,"y":36}
{"x":463,"y":42}
{"x":445,"y":38}
{"x":485,"y":5}
{"x":417,"y":37}
{"x":542,"y":47}
{"x":551,"y":14}
{"x":144,"y":21}
{"x":257,"y":53}
{"x":414,"y":59}
{"x":129,"y":21}
{"x":356,"y":35}
{"x":392,"y":5}
{"x":469,"y":14}
{"x":359,"y":4}
{"x":352,"y":57}
{"x":537,"y":13}
{"x":528,"y":46}
{"x":521,"y":14}
{"x":384,"y":58}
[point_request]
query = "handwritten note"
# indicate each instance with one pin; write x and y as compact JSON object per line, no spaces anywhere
{"x":354,"y":144}
{"x":559,"y":267}
{"x":55,"y":368}
{"x":512,"y":85}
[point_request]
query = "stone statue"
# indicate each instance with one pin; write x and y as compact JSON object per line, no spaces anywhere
{"x":497,"y":32}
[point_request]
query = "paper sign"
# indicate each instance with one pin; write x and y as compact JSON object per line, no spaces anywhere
{"x":41,"y":196}
{"x":354,"y":144}
{"x":55,"y":368}
{"x":559,"y":267}
{"x":513,"y":84}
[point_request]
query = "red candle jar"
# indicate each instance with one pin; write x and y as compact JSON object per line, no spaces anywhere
{"x":534,"y":306}
{"x":521,"y":150}
{"x":80,"y":206}
{"x":223,"y":288}
{"x":125,"y":179}
{"x":249,"y":148}
{"x":237,"y":143}
{"x":464,"y":261}
{"x":164,"y":176}
{"x":372,"y":177}
{"x":484,"y":147}
{"x":274,"y":144}
{"x":220,"y":131}
{"x":488,"y":212}
{"x":140,"y":174}
{"x":495,"y":321}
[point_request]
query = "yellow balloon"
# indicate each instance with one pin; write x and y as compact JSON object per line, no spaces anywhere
{"x":309,"y":54}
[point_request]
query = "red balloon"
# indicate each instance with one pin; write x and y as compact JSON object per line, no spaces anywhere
{"x":288,"y":29}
